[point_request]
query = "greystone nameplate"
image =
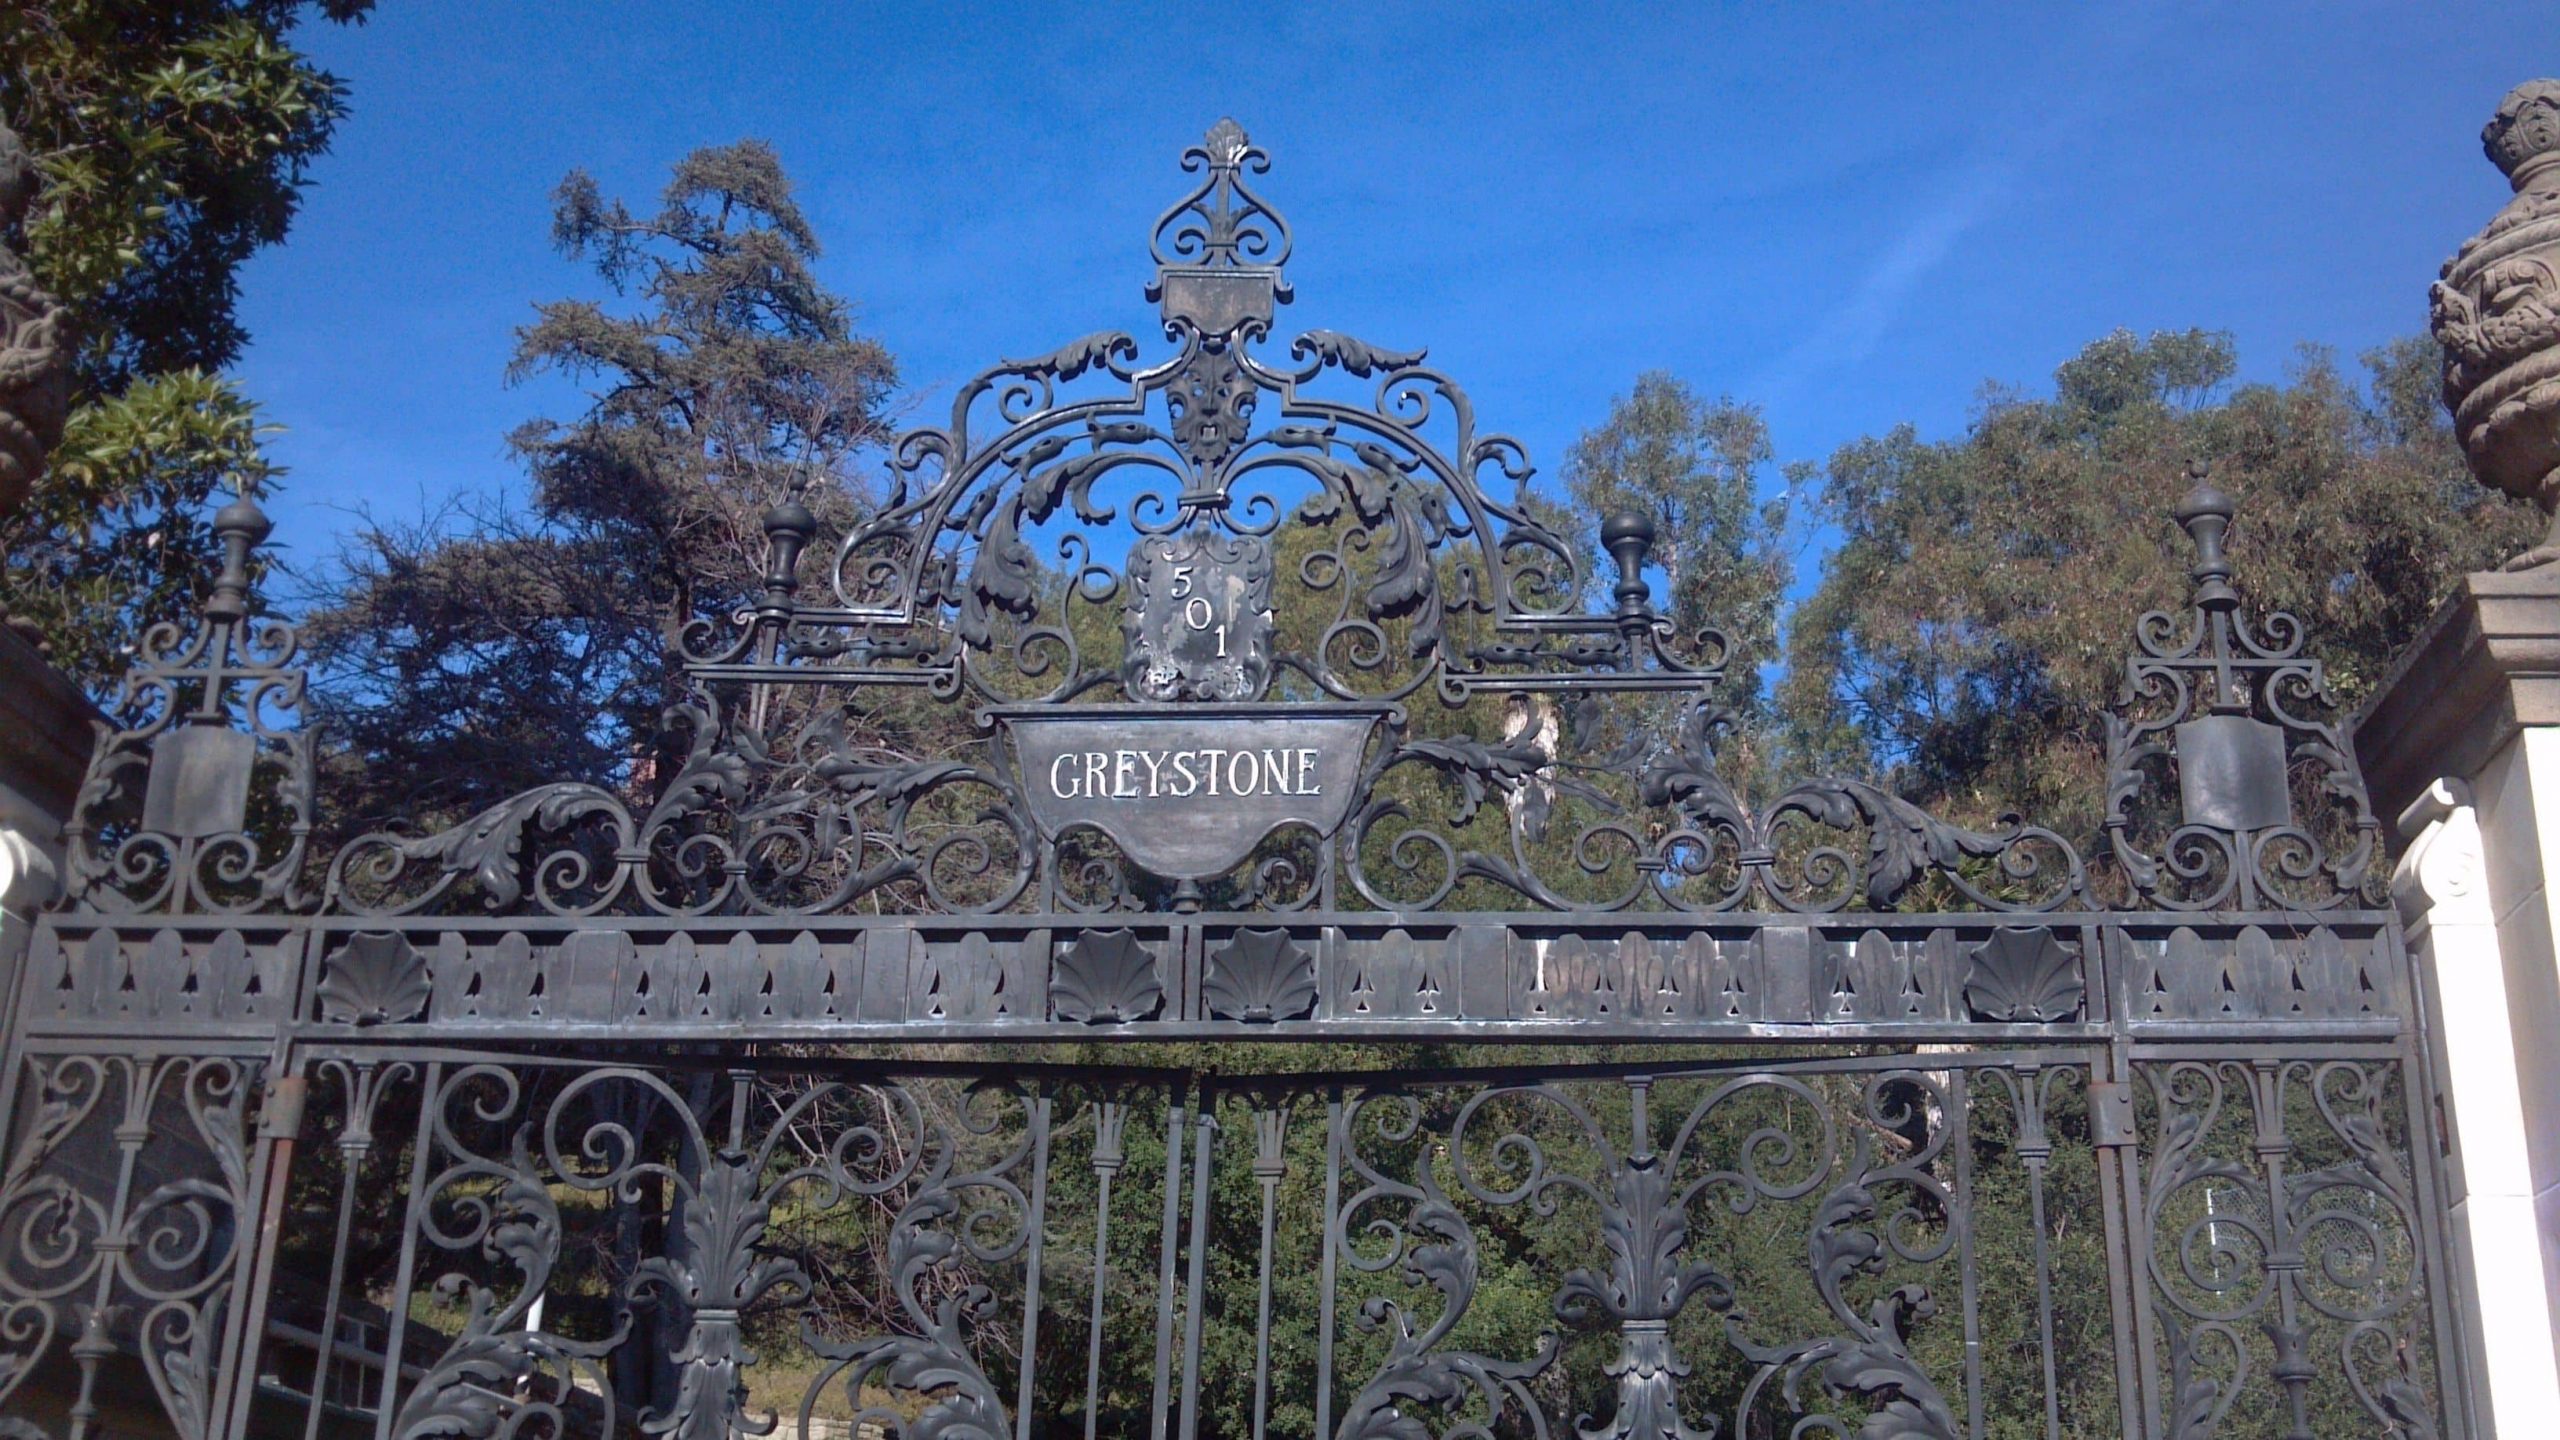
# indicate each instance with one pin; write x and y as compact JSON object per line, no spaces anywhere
{"x":1199,"y":618}
{"x":1188,"y":793}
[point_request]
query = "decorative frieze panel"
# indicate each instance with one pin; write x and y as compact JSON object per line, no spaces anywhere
{"x":1309,"y":976}
{"x":2253,"y":972}
{"x":162,"y":974}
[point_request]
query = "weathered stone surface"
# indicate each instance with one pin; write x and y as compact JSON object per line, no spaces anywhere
{"x":2486,"y":667}
{"x":35,"y":373}
{"x":45,"y":734}
{"x":2496,"y":312}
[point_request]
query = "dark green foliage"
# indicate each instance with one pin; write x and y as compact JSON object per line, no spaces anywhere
{"x":1973,"y":622}
{"x":172,"y":141}
{"x":520,"y":647}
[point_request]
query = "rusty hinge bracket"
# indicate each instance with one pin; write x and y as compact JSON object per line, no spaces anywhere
{"x":281,"y":1118}
{"x":2111,"y":1114}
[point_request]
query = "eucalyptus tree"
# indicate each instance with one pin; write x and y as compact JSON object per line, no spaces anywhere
{"x":1702,"y":470}
{"x":1969,"y":628}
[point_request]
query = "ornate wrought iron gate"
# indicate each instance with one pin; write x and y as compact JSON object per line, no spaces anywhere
{"x":1056,"y":996}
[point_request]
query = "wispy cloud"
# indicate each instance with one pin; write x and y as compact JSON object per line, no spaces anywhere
{"x":1970,"y":191}
{"x":1848,"y":333}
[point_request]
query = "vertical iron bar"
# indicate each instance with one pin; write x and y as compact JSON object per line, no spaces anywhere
{"x":141,"y":1078}
{"x":2129,"y":1262}
{"x":1038,"y":1221}
{"x":1333,"y":1123}
{"x":350,"y":1152}
{"x":1959,"y":1117}
{"x":2274,"y":1148}
{"x":2044,"y":1303}
{"x":1110,"y":1117}
{"x":1164,"y":1264}
{"x":2034,"y":1095}
{"x":1270,"y":1163}
{"x":2119,"y":1169}
{"x":1206,"y":1121}
{"x":407,"y":1274}
{"x":271,"y":1152}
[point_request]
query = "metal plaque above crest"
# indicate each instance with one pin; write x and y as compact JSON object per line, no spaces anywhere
{"x":1199,"y":620}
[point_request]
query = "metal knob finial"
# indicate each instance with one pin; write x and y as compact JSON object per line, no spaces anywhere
{"x":242,"y":527}
{"x":788,"y":527}
{"x":1628,"y":537}
{"x":2206,"y":512}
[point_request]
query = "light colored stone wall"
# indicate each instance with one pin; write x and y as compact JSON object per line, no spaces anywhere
{"x":2464,"y":742}
{"x":44,"y":747}
{"x":2500,"y":1188}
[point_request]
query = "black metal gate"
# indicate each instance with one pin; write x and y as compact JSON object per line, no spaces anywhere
{"x":1063,"y":997}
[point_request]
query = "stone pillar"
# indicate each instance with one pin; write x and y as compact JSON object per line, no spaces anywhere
{"x":2463,"y":742}
{"x":44,"y":729}
{"x":45,"y":736}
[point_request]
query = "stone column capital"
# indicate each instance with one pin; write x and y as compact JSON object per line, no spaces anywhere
{"x":27,"y":875}
{"x":2486,"y":668}
{"x":2442,"y":878}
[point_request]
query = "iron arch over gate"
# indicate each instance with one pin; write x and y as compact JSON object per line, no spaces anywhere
{"x":1048,"y":999}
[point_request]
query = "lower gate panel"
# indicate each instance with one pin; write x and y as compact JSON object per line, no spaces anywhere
{"x":1966,"y":1243}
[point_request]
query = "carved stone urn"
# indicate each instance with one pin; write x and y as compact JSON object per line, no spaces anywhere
{"x":35,"y":375}
{"x":2496,"y":312}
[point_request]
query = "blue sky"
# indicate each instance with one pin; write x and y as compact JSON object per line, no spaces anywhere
{"x":1852,"y":216}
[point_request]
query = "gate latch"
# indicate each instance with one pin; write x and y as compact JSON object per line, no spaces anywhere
{"x":2111,"y":1113}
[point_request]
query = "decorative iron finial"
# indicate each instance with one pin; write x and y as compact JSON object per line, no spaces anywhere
{"x":215,"y":726}
{"x":1219,"y":249}
{"x":2206,"y":514}
{"x":2496,"y":312}
{"x":788,"y":527}
{"x":1628,"y":535}
{"x":242,"y":528}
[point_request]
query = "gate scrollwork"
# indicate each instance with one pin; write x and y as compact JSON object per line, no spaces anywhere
{"x":1217,"y":697}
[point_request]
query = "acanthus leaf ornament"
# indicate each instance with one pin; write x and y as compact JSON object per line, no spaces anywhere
{"x":721,"y":1273}
{"x":1871,"y":1356}
{"x":1418,"y":1371}
{"x":1647,"y":1285}
{"x":1359,"y":357}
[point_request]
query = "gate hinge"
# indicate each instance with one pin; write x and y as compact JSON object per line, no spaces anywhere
{"x":282,"y":1118}
{"x":2111,"y":1114}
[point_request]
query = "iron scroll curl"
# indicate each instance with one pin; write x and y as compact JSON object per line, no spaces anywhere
{"x":1212,"y":695}
{"x":1548,"y":742}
